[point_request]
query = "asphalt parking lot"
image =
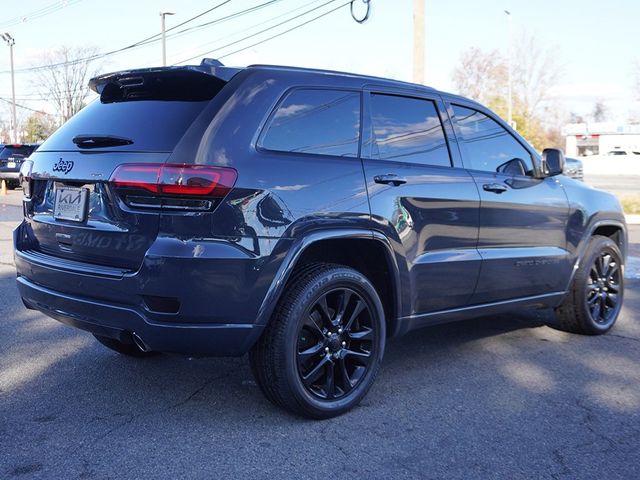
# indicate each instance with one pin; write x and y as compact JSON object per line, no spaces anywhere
{"x":500,"y":397}
{"x":620,"y":185}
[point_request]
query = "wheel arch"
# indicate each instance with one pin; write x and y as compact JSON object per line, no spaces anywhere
{"x":616,"y":231}
{"x":613,"y":229}
{"x":338,"y":246}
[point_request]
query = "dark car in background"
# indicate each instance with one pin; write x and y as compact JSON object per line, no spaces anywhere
{"x":11,"y":158}
{"x":574,"y":168}
{"x":305,"y":217}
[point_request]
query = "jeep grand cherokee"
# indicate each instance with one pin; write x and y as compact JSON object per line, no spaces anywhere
{"x":304,"y":217}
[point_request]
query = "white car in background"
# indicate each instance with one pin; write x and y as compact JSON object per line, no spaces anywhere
{"x":620,"y":152}
{"x":573,"y":168}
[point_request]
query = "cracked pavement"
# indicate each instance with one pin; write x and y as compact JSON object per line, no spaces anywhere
{"x":500,"y":397}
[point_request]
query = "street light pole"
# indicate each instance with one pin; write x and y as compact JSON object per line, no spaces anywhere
{"x":418,"y":41}
{"x":510,"y":80}
{"x":164,"y":39}
{"x":11,"y":42}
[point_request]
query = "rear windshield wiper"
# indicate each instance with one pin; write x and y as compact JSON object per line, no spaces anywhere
{"x":96,"y":141}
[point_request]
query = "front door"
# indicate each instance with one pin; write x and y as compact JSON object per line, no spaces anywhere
{"x":523,"y":219}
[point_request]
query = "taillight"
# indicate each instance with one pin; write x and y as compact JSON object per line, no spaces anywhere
{"x":172,"y":186}
{"x":25,"y":177}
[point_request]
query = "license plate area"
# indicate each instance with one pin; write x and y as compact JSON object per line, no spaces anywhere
{"x":70,"y":203}
{"x":11,"y":164}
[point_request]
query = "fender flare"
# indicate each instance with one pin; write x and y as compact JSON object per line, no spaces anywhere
{"x":295,"y":251}
{"x":585,"y":240}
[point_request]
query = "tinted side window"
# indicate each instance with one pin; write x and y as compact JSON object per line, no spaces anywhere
{"x":488,"y":146}
{"x":324,"y":122}
{"x":408,"y":130}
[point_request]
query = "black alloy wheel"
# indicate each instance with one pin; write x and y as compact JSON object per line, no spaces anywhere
{"x":336,"y":343}
{"x":594,"y":300}
{"x":322,"y":349}
{"x":603,"y":288}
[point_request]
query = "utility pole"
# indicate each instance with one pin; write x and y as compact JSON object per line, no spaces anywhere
{"x":164,"y":39}
{"x":418,"y":41}
{"x":11,"y":42}
{"x":510,"y":68}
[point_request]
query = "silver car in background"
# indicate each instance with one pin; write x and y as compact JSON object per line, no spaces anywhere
{"x":573,"y":169}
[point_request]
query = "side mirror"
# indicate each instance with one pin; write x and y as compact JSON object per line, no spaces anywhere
{"x":514,"y":167}
{"x":552,"y":162}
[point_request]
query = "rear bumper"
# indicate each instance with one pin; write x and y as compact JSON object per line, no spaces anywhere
{"x":7,"y":175}
{"x":119,"y":321}
{"x":217,"y":294}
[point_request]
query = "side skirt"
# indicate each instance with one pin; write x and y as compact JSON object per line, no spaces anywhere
{"x":413,"y":322}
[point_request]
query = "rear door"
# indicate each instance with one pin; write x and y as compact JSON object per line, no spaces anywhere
{"x":523,"y":218}
{"x":73,"y":209}
{"x":420,"y":197}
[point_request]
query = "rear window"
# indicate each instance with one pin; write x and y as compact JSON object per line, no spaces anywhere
{"x":12,"y":151}
{"x":153,"y":109}
{"x":153,"y":125}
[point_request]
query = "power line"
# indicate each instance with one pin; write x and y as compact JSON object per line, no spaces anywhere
{"x":194,"y":28}
{"x":221,"y":19}
{"x":245,"y":30}
{"x":91,"y":58}
{"x":156,"y":37}
{"x":24,"y":107}
{"x":266,"y":30}
{"x":286,"y":31}
{"x":42,"y":12}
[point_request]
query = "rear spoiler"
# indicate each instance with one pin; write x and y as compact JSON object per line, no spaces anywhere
{"x":189,"y":82}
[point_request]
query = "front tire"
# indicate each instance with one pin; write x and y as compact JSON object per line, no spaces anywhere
{"x":322,"y":350}
{"x":593,"y":303}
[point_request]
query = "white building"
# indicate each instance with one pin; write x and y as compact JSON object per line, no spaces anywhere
{"x":584,"y":139}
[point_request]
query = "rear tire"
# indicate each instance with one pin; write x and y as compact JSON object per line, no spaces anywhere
{"x":129,"y":349}
{"x":593,"y":303}
{"x":322,"y":349}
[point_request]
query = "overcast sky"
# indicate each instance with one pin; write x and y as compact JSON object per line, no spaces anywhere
{"x":594,"y":40}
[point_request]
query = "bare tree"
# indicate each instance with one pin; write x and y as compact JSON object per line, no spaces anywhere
{"x":535,"y":72}
{"x":600,"y":111}
{"x":63,"y":80}
{"x":481,"y":75}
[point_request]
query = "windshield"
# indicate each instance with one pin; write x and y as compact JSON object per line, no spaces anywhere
{"x":14,"y":151}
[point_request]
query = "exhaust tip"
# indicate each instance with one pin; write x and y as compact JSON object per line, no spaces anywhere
{"x":139,"y":342}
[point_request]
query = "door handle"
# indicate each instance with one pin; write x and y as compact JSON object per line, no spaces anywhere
{"x":494,"y":187}
{"x":390,"y":179}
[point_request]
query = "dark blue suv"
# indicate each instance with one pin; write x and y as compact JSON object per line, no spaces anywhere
{"x":302,"y":216}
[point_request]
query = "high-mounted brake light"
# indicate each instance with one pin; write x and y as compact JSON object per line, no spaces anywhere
{"x":183,"y":180}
